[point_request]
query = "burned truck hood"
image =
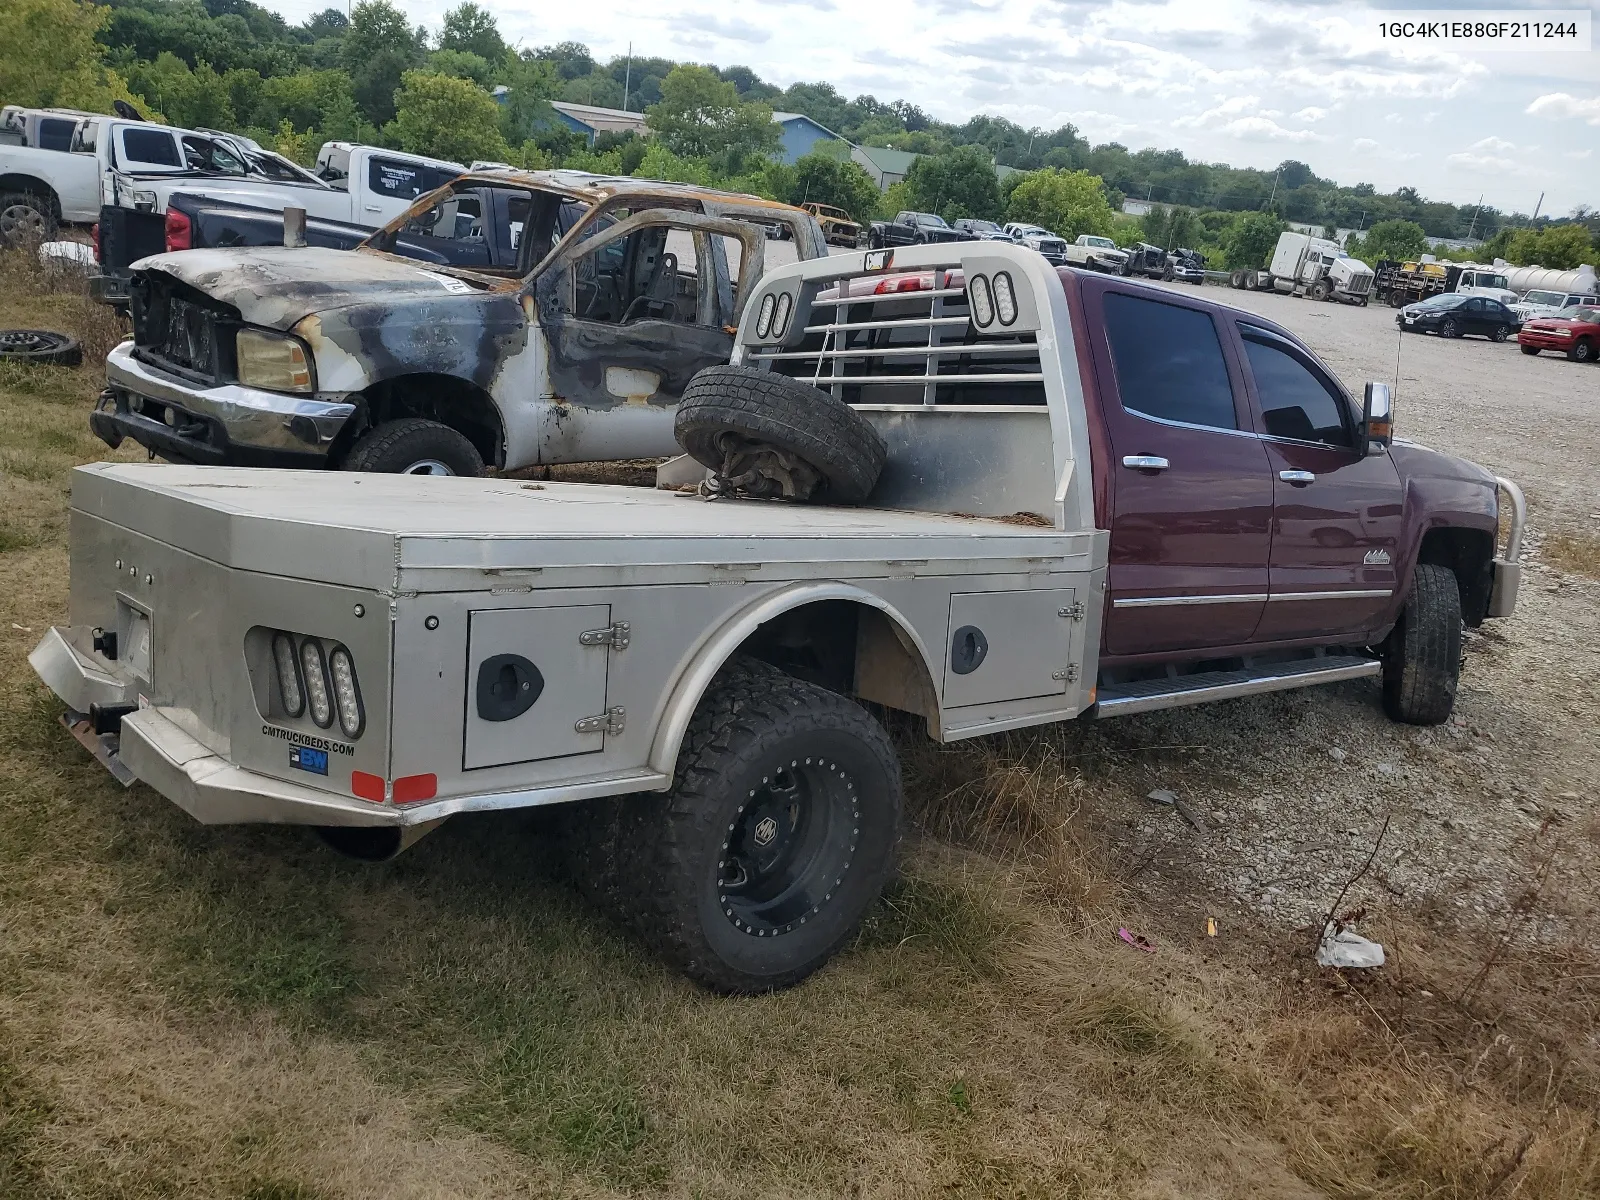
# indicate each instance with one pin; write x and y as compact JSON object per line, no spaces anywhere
{"x":277,"y":286}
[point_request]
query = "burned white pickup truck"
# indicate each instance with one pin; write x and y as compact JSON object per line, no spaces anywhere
{"x":1028,"y":515}
{"x":511,"y":319}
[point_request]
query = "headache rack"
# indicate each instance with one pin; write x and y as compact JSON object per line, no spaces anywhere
{"x":909,"y":338}
{"x":959,"y":354}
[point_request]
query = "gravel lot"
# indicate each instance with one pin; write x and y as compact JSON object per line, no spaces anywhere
{"x":1297,"y":786}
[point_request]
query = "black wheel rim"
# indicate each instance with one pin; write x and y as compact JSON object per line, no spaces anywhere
{"x":789,"y":848}
{"x":30,"y":341}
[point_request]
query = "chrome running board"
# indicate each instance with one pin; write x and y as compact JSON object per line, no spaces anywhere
{"x":1150,"y":695}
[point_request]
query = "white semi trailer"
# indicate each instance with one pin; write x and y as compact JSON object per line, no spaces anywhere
{"x":1309,"y":266}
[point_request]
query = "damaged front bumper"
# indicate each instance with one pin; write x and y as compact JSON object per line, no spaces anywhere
{"x":227,"y":424}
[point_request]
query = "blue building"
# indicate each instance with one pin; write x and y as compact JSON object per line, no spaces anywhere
{"x":589,"y":119}
{"x":801,"y":135}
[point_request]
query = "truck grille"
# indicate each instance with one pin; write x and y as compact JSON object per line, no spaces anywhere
{"x":181,"y":330}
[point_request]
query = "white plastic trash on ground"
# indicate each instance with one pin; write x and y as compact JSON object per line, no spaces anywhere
{"x":1347,"y":948}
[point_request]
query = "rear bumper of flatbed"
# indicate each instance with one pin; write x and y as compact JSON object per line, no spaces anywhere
{"x":150,"y":747}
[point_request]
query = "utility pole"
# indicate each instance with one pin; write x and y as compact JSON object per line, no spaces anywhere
{"x":1478,"y":210}
{"x":1537,"y":207}
{"x":1274,"y":195}
{"x":627,"y":78}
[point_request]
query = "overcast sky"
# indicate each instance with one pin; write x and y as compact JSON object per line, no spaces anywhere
{"x":1247,"y":82}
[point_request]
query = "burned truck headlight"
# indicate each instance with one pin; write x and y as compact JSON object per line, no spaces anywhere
{"x":273,"y":361}
{"x":346,"y":693}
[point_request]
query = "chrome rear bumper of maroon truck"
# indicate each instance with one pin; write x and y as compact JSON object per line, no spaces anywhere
{"x":1508,"y":566}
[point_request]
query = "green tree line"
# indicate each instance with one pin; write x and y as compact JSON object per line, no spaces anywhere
{"x":373,"y":76}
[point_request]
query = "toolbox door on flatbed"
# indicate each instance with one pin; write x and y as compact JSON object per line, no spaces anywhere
{"x":1010,"y":645}
{"x":536,"y":683}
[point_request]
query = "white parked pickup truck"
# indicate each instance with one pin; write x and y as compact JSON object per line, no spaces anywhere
{"x":1097,"y":253}
{"x":1076,"y":507}
{"x":48,"y":172}
{"x":359,"y":186}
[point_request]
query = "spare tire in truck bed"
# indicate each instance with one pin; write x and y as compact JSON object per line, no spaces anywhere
{"x":764,"y":434}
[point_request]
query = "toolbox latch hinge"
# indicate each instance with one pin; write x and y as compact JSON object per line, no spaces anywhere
{"x":613,"y":720}
{"x":616,"y":636}
{"x":1067,"y":674}
{"x":1073,"y":612}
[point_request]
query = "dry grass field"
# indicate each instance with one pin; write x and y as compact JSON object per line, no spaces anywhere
{"x":237,"y":1012}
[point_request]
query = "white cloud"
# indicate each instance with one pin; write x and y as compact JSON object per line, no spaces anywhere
{"x":1559,"y":104}
{"x":1233,"y":118}
{"x":1310,"y":113}
{"x":1493,"y":144}
{"x":1481,"y":162}
{"x":1577,"y":153}
{"x":1364,"y":144}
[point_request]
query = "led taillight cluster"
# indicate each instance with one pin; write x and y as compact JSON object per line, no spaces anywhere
{"x":320,"y":680}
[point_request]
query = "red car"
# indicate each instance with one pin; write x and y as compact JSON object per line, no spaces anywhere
{"x":1576,"y":335}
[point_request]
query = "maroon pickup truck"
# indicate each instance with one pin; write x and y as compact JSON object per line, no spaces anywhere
{"x":1265,"y":529}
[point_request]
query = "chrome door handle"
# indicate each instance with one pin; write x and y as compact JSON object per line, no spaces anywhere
{"x":1145,"y":462}
{"x":1298,"y":478}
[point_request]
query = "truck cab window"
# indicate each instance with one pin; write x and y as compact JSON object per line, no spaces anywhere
{"x":477,"y":227}
{"x":203,"y":154}
{"x":1169,"y":362}
{"x":652,"y":274}
{"x":150,"y":147}
{"x":56,"y":133}
{"x":1296,"y":401}
{"x":403,"y":180}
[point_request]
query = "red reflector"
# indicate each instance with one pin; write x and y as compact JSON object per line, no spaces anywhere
{"x":368,"y":787}
{"x":415,"y":787}
{"x":177,"y":231}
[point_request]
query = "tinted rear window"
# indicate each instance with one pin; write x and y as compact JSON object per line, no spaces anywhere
{"x":152,"y":147}
{"x":1169,"y":362}
{"x":403,"y":180}
{"x":56,"y":134}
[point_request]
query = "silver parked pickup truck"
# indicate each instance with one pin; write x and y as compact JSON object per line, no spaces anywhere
{"x":372,"y":654}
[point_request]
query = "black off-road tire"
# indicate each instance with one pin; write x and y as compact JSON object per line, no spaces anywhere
{"x":793,"y":417}
{"x":414,"y":446}
{"x":1449,"y":328}
{"x":1422,"y":656}
{"x":1530,"y":349}
{"x":670,"y":854}
{"x":39,"y":346}
{"x":1582,"y":351}
{"x":1168,"y":273}
{"x":26,"y":218}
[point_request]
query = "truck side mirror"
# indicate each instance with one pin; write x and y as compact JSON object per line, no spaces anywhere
{"x":1377,"y":416}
